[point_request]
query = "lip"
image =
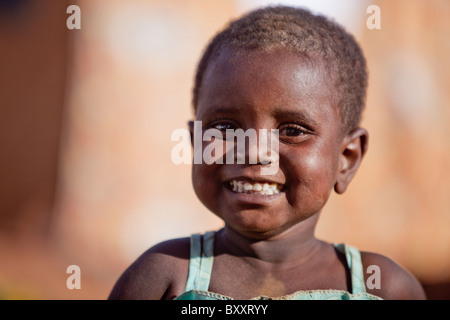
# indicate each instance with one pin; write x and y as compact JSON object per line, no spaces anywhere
{"x":254,"y":180}
{"x":252,"y":198}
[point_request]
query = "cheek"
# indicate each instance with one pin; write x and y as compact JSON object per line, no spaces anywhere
{"x":200,"y":179}
{"x":204,"y":182}
{"x":313,"y":175}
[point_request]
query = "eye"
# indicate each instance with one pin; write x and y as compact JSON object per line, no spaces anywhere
{"x":292,"y":132}
{"x":223,"y":126}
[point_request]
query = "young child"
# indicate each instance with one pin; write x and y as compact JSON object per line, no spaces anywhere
{"x":287,"y":69}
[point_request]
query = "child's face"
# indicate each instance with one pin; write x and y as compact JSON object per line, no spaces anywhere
{"x":262,"y":90}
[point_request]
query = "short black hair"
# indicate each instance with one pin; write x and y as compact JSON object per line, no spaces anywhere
{"x":303,"y":32}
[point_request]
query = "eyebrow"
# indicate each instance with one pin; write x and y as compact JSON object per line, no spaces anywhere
{"x":279,"y":113}
{"x":294,"y":115}
{"x":221,"y":110}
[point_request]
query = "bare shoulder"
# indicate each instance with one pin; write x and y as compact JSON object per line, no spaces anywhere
{"x":157,"y":274}
{"x":395,"y":283}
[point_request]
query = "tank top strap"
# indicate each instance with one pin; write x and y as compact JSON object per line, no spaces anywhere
{"x":354,"y":262}
{"x":201,"y":261}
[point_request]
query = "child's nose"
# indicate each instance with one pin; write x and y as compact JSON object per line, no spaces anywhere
{"x":261,"y":150}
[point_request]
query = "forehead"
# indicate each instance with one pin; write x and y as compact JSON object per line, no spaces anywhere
{"x":263,"y":80}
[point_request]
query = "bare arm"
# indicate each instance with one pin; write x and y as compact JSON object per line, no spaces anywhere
{"x":395,"y":282}
{"x":159,"y":273}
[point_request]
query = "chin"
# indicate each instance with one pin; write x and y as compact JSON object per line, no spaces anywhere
{"x":255,"y":228}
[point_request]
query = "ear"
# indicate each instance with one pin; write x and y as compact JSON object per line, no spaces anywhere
{"x":353,"y":148}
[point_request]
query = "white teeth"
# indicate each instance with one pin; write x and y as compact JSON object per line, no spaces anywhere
{"x":259,"y":188}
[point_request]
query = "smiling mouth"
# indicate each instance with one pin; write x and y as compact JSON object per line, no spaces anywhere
{"x":261,"y":188}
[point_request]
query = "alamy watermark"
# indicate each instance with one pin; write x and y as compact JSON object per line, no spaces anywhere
{"x":374,"y":280}
{"x":263,"y":147}
{"x":374,"y":20}
{"x":74,"y":280}
{"x":74,"y":20}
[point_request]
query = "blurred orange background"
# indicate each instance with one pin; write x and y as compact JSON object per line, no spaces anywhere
{"x":86,"y":175}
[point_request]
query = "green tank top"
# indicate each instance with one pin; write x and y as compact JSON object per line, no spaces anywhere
{"x":201,"y":262}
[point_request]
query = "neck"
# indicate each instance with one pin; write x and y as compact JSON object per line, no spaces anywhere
{"x":293,"y":245}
